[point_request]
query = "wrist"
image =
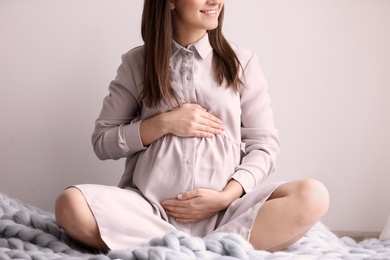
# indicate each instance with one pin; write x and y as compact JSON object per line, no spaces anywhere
{"x":152,"y":129}
{"x":231,"y":192}
{"x":163,"y":121}
{"x":226,"y":199}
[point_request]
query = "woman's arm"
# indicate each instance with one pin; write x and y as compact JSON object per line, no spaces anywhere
{"x":118,"y":130}
{"x":116,"y":133}
{"x":258,"y":132}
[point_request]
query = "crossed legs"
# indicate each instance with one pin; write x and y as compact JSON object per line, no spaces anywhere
{"x":292,"y":209}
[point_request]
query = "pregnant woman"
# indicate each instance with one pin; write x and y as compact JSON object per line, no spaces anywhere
{"x":191,"y":114}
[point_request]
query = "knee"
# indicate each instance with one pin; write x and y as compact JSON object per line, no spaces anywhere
{"x":75,"y":217}
{"x":314,"y":197}
{"x":65,"y":206}
{"x":73,"y":213}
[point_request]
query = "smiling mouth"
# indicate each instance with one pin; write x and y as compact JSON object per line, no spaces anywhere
{"x":209,"y":11}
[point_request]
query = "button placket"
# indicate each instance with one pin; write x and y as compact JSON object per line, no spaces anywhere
{"x":187,"y":74}
{"x":187,"y":176}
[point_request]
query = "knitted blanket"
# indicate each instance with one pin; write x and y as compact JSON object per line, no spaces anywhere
{"x":27,"y":232}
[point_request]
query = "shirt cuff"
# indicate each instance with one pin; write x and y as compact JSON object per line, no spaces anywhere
{"x":246,"y":179}
{"x":133,"y":137}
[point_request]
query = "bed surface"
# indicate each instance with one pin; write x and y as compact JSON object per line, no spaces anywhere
{"x":27,"y":232}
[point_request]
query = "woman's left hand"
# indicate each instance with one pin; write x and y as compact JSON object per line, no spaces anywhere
{"x":196,"y":205}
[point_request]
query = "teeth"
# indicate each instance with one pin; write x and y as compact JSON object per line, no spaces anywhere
{"x":210,"y":11}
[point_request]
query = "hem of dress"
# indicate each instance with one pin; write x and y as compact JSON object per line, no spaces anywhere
{"x":94,"y":216}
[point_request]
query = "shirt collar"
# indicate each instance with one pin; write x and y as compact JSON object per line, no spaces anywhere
{"x":202,"y":47}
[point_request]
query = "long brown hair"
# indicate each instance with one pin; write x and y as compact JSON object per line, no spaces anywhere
{"x":157,"y":32}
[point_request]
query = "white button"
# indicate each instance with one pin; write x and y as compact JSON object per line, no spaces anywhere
{"x":188,"y":77}
{"x":188,"y":161}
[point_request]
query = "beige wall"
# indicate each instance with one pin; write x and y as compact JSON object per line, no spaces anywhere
{"x":327,"y":64}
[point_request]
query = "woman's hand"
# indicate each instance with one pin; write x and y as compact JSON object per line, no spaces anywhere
{"x":192,"y":120}
{"x":195,"y":205}
{"x":199,"y":204}
{"x":187,"y":120}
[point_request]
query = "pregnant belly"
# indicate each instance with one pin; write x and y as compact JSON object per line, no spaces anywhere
{"x":173,"y":165}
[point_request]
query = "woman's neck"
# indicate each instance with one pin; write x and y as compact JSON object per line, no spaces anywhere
{"x":187,"y":38}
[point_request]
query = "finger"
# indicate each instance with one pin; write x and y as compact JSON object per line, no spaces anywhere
{"x":211,"y":117}
{"x":182,"y":215}
{"x":173,"y":204}
{"x":179,"y":214}
{"x":199,"y":133}
{"x":215,"y":129}
{"x":202,"y":129}
{"x":210,"y":130}
{"x":190,"y":219}
{"x":185,"y":215}
{"x":185,"y":221}
{"x":170,"y":201}
{"x":212,"y":126}
{"x":188,"y":195}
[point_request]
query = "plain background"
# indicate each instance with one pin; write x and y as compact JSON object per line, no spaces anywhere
{"x":327,"y":64}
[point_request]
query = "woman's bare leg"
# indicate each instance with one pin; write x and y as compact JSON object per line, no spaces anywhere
{"x":289,"y":213}
{"x":75,"y":217}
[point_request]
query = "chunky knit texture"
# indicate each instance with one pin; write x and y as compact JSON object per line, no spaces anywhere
{"x":27,"y":232}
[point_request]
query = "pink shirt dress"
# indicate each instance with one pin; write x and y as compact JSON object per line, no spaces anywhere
{"x":131,"y":214}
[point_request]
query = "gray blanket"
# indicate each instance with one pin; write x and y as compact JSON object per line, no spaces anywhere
{"x":27,"y":232}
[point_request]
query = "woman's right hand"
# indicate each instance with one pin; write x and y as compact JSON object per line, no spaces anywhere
{"x":192,"y":120}
{"x":187,"y":120}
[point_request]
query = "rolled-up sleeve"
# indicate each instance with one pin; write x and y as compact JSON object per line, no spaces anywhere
{"x":257,"y":129}
{"x":116,"y":134}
